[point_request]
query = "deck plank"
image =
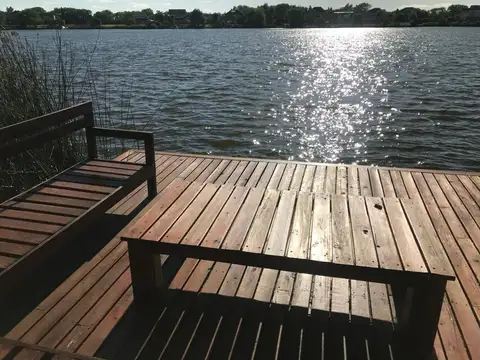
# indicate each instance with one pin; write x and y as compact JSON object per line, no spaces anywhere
{"x":353,"y":185}
{"x":364,"y":246}
{"x":377,"y":189}
{"x":458,"y":329}
{"x":322,"y":244}
{"x":287,"y":177}
{"x":387,"y":184}
{"x":319,"y":179}
{"x":364,"y":181}
{"x":342,"y":180}
{"x":331,"y":179}
{"x":385,"y":246}
{"x":341,"y":231}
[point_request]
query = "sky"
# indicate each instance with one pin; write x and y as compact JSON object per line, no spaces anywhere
{"x":211,"y":5}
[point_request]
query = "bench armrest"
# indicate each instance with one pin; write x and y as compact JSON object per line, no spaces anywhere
{"x":122,"y":134}
{"x":146,"y":137}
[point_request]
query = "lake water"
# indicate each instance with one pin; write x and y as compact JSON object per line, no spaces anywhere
{"x":396,"y":97}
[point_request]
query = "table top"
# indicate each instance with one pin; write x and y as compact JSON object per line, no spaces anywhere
{"x":296,"y":231}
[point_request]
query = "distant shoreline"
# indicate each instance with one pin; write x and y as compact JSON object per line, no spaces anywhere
{"x":140,"y":27}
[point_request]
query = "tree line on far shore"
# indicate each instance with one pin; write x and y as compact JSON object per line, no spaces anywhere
{"x":282,"y":15}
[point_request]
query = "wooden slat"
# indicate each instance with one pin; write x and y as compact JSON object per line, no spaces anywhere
{"x":471,"y":187}
{"x":198,"y":231}
{"x":301,"y":291}
{"x":460,"y":209}
{"x":427,"y":238}
{"x":131,"y":165}
{"x":342,"y":180}
{"x":227,"y":172}
{"x":407,"y":246}
{"x":247,"y":173}
{"x":397,"y":180}
{"x":71,"y":193}
{"x":200,"y":169}
{"x":266,"y":176}
{"x":105,"y":171}
{"x":364,"y":245}
{"x":388,"y":257}
{"x":276,"y":176}
{"x":216,"y":234}
{"x":321,"y":293}
{"x":360,"y":300}
{"x":353,"y":184}
{"x":14,"y":224}
{"x":217,"y":171}
{"x":44,"y":121}
{"x":341,"y":232}
{"x":44,"y":208}
{"x":20,"y":236}
{"x":299,"y":242}
{"x":237,"y":173}
{"x":252,"y":182}
{"x":158,"y":229}
{"x":257,"y":235}
{"x":277,"y":240}
{"x":450,"y":333}
{"x":410,"y":185}
{"x":331,"y":179}
{"x":283,"y":288}
{"x":155,"y":210}
{"x":340,"y":297}
{"x":387,"y":184}
{"x":380,"y":306}
{"x":35,"y":216}
{"x":307,"y":182}
{"x":319,"y":179}
{"x":461,"y":251}
{"x":83,"y":187}
{"x":465,"y":198}
{"x":364,"y":181}
{"x":297,"y":177}
{"x":241,"y":225}
{"x":6,"y":261}
{"x":190,"y":214}
{"x":287,"y":177}
{"x":9,"y":248}
{"x":322,"y":243}
{"x":377,"y":189}
{"x":58,"y":200}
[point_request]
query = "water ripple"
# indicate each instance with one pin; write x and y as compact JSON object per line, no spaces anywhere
{"x":402,"y":97}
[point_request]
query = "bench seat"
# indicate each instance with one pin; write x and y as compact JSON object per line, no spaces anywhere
{"x":36,"y":223}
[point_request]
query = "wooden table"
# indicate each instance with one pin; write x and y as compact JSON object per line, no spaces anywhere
{"x":385,"y":240}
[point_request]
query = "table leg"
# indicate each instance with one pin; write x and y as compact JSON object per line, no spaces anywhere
{"x":146,"y":271}
{"x":418,"y":333}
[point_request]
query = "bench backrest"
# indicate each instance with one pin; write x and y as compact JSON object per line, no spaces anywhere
{"x":34,"y":132}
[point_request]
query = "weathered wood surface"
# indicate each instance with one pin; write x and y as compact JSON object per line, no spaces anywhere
{"x":99,"y":309}
{"x":415,"y":255}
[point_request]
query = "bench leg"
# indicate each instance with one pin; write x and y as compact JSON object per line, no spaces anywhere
{"x":146,"y":271}
{"x":152,"y":187}
{"x":418,"y":333}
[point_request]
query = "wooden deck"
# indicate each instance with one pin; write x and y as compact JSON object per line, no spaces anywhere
{"x":91,"y":313}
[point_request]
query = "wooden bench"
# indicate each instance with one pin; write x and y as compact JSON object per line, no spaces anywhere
{"x":36,"y":222}
{"x":388,"y":241}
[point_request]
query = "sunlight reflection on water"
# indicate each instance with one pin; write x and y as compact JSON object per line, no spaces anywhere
{"x":403,"y":97}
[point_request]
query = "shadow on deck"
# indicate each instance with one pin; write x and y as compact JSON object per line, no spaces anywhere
{"x":188,"y":325}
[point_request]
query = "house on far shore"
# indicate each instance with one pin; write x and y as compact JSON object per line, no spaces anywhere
{"x":142,"y":19}
{"x":231,"y":17}
{"x":180,"y":17}
{"x":344,"y":17}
